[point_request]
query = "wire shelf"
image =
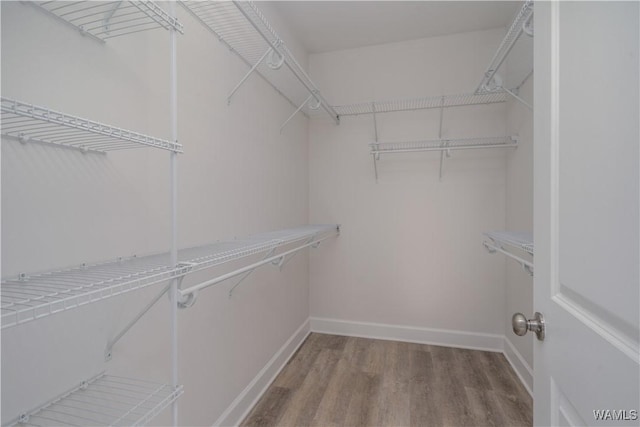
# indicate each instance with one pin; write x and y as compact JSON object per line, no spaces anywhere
{"x":500,"y":241}
{"x":244,"y":29}
{"x":103,"y":20}
{"x":27,"y":122}
{"x":442,"y":145}
{"x":522,"y":240}
{"x":266,"y":244}
{"x":203,"y":257}
{"x":32,"y":297}
{"x":509,"y":40}
{"x":28,"y":298}
{"x":105,"y":400}
{"x":411,"y":104}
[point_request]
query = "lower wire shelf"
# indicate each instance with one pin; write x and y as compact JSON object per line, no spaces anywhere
{"x":500,"y":241}
{"x":105,"y":400}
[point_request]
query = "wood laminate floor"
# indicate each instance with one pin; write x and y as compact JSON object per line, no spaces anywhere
{"x":345,"y":381}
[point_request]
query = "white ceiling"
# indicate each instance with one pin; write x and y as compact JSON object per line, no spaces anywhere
{"x":323,"y":26}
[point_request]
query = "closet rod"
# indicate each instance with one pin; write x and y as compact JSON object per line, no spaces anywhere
{"x":195,"y":288}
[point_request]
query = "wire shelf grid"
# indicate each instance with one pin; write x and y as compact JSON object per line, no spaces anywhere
{"x":104,"y":400}
{"x":411,"y":104}
{"x":509,"y":40}
{"x":203,"y":257}
{"x":245,"y":30}
{"x":32,"y":297}
{"x":522,"y":240}
{"x":28,"y":122}
{"x":28,"y":298}
{"x":441,"y":144}
{"x":107,"y":19}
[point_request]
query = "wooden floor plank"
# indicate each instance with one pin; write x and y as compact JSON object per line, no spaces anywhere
{"x":347,"y":381}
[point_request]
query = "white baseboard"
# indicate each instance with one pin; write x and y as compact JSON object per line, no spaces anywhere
{"x":247,"y":399}
{"x":522,"y":368}
{"x":443,"y":337}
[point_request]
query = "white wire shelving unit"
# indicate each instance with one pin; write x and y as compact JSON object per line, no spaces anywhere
{"x":490,"y":81}
{"x":103,"y":20}
{"x":31,"y":297}
{"x":444,"y":146}
{"x":506,"y":242}
{"x":104,"y":400}
{"x":243,"y":28}
{"x":31,"y":123}
{"x":275,"y":247}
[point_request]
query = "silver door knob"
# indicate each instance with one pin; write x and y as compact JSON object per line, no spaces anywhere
{"x":521,"y":325}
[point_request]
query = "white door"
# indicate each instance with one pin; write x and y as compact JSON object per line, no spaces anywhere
{"x":586,"y":219}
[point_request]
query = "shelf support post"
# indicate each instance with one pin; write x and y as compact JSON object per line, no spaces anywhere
{"x":173,"y":289}
{"x":375,"y":122}
{"x":246,"y":76}
{"x":296,"y":112}
{"x":518,"y":98}
{"x":440,"y":136}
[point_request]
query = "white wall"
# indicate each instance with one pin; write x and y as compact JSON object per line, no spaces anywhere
{"x":410,"y":251}
{"x":238,"y":176}
{"x":519,"y":284}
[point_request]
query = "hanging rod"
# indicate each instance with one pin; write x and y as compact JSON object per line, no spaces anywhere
{"x":31,"y":123}
{"x":103,"y":20}
{"x":499,"y":241}
{"x":442,"y":145}
{"x":313,"y":238}
{"x":513,"y":34}
{"x":244,"y":29}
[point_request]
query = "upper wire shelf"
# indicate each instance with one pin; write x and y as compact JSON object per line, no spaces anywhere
{"x":103,"y":20}
{"x":490,"y":82}
{"x":104,"y":400}
{"x":411,"y":104}
{"x":265,"y":244}
{"x":244,"y":29}
{"x":28,"y":298}
{"x":500,"y":241}
{"x":27,"y":122}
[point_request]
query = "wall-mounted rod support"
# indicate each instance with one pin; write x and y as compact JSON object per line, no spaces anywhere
{"x":295,"y":68}
{"x":109,"y":15}
{"x":253,"y":266}
{"x":375,"y":121}
{"x":518,"y":98}
{"x":442,"y":155}
{"x":246,"y":76}
{"x":528,"y":266}
{"x":510,"y":39}
{"x":285,"y":260}
{"x":296,"y":112}
{"x":376,"y":157}
{"x":248,"y":273}
{"x":114,"y":340}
